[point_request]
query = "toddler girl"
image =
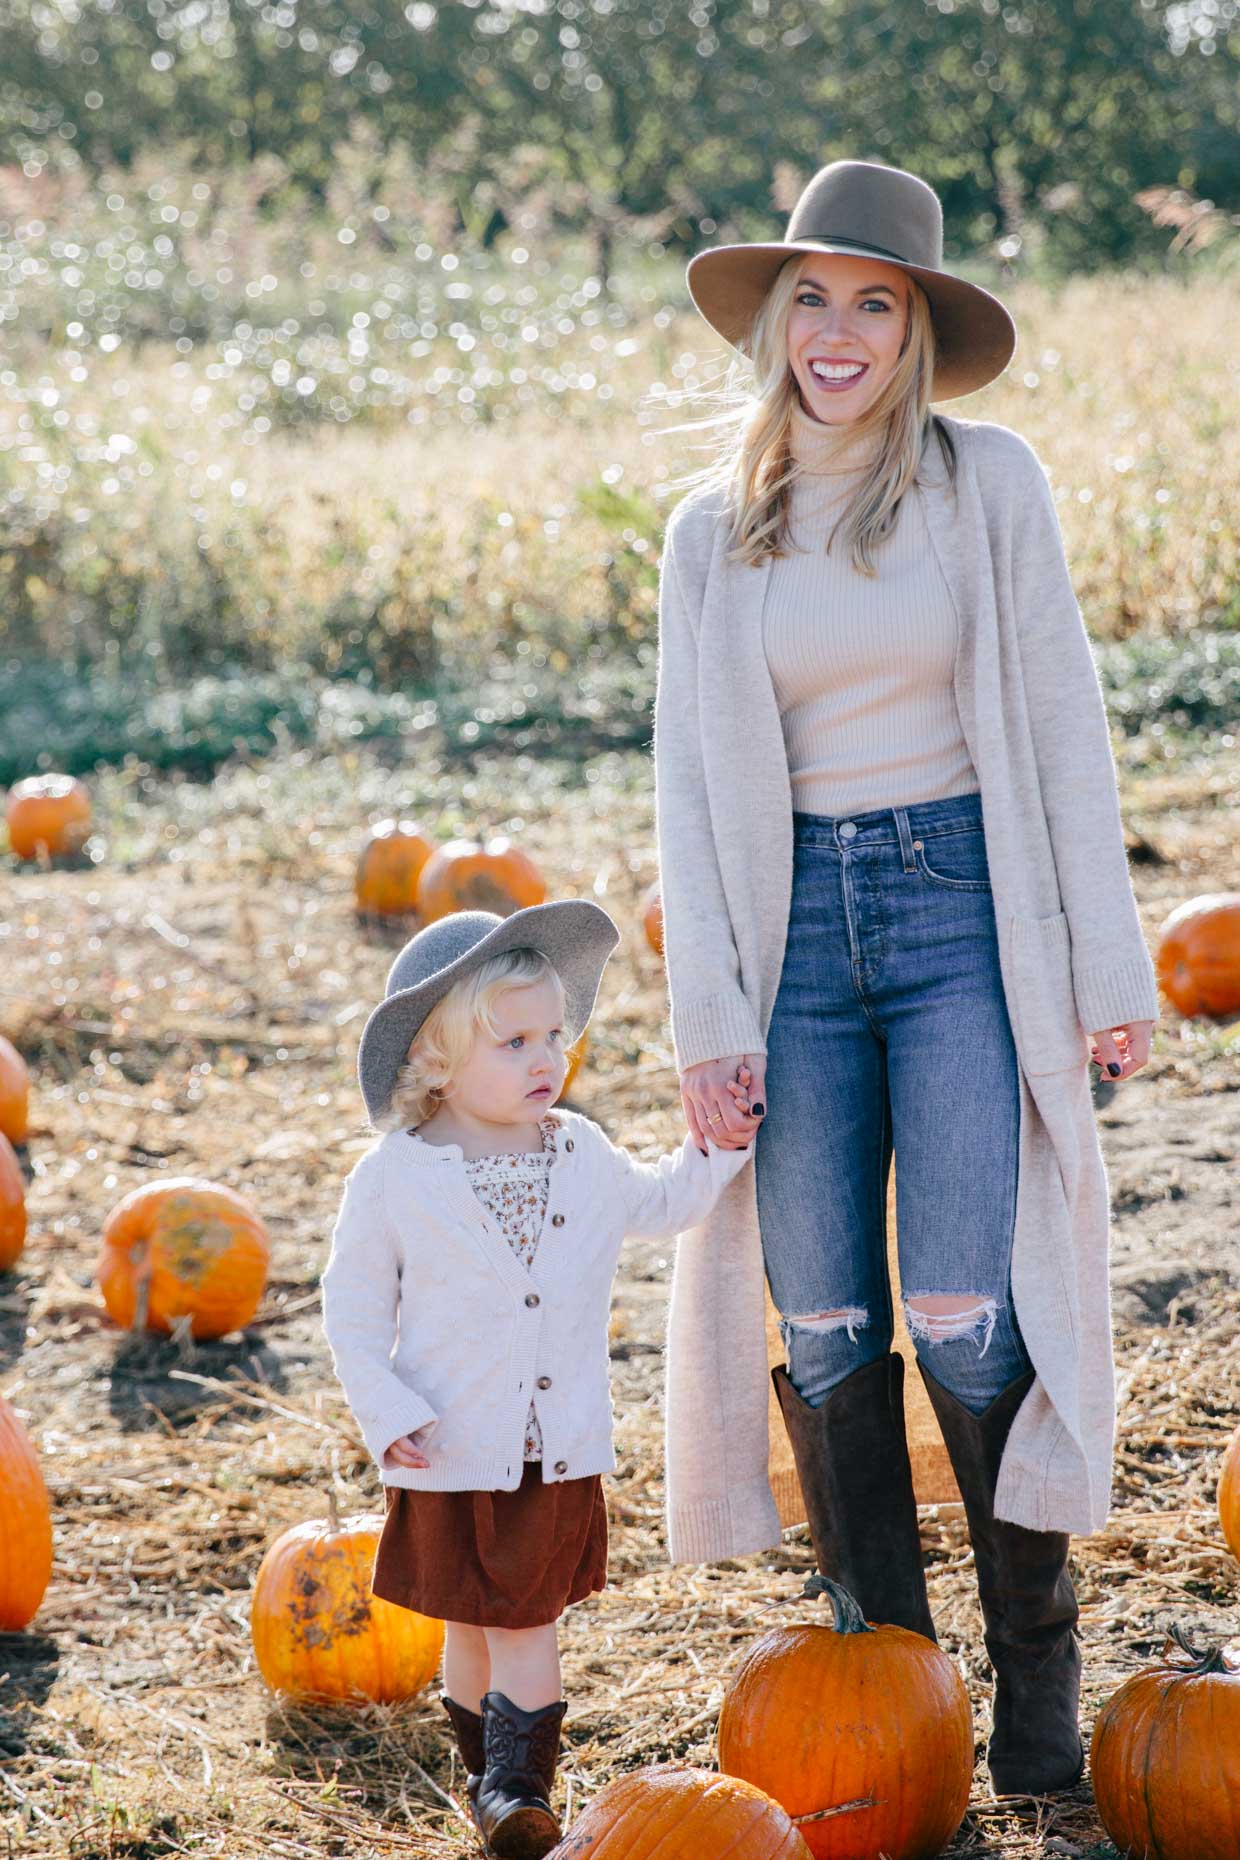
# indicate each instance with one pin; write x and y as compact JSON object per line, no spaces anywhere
{"x":466,"y":1303}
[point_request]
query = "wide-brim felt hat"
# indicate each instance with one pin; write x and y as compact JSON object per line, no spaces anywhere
{"x":576,"y":936}
{"x":864,"y":209}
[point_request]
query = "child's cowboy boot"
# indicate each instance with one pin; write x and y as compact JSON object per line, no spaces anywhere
{"x":468,"y":1727}
{"x":1029,"y":1607}
{"x":513,"y":1803}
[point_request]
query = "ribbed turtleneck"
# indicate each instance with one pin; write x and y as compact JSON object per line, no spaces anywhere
{"x":862,"y":666}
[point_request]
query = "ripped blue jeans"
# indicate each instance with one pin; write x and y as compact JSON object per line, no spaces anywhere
{"x":890,"y":1031}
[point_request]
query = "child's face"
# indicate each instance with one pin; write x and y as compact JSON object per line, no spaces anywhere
{"x":513,"y":1075}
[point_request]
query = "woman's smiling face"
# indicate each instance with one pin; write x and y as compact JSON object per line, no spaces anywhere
{"x":846,"y":326}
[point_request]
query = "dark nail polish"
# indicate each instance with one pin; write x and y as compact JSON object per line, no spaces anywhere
{"x":759,"y":1110}
{"x":1114,"y":1070}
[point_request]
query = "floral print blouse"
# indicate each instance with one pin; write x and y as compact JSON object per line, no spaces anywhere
{"x":513,"y":1188}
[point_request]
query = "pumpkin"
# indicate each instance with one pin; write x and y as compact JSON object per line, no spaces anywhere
{"x":1229,"y":1495}
{"x":12,"y":1207}
{"x":464,"y":876}
{"x":46,"y":815}
{"x":14,"y":1093}
{"x":576,"y":1053}
{"x":1199,"y":955}
{"x":386,"y":880}
{"x":652,"y":918}
{"x":864,"y":1734}
{"x":681,"y":1814}
{"x":320,"y":1633}
{"x":1165,"y":1757}
{"x":25,"y":1525}
{"x":184,"y":1248}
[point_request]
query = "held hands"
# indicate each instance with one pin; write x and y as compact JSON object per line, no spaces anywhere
{"x":1121,"y":1051}
{"x":406,"y":1452}
{"x":723,"y":1100}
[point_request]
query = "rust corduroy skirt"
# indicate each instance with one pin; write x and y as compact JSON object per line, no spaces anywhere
{"x":494,"y":1559}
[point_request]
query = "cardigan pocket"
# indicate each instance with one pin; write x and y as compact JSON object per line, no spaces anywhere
{"x":1049,"y":1036}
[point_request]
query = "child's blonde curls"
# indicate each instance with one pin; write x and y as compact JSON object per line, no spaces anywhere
{"x":445,"y":1039}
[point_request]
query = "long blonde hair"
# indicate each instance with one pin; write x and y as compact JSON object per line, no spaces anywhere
{"x":445,"y":1039}
{"x":754,"y":465}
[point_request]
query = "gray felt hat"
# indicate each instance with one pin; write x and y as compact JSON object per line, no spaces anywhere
{"x":574,"y":934}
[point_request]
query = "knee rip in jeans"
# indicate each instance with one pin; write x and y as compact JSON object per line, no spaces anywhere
{"x":851,"y":1318}
{"x":946,"y":1318}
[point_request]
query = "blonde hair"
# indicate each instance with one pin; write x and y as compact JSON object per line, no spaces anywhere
{"x":754,"y":465}
{"x":445,"y":1039}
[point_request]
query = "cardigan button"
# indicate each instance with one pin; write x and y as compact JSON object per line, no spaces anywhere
{"x":557,"y":1220}
{"x":531,"y":1298}
{"x":544,"y":1382}
{"x":561,"y":1466}
{"x":568,"y":1143}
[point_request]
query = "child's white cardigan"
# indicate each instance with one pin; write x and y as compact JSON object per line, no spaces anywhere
{"x":434,"y":1322}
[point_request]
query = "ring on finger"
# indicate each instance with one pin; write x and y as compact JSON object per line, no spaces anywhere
{"x":716,"y":1119}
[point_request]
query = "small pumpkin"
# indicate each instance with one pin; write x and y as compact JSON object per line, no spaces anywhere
{"x":575,"y":1054}
{"x":184,"y":1248}
{"x":14,"y":1093}
{"x":1229,"y":1495}
{"x":1199,"y":955}
{"x":465,"y":876}
{"x":652,"y":918}
{"x":12,"y":1207}
{"x":390,"y":865}
{"x":47,"y":815}
{"x":25,"y":1525}
{"x":320,"y":1633}
{"x":864,"y":1734}
{"x":679,"y":1813}
{"x":1165,"y":1757}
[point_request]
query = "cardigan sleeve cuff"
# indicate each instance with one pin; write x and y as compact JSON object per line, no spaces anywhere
{"x":714,"y":1027}
{"x":1113,"y":996}
{"x":403,"y":1417}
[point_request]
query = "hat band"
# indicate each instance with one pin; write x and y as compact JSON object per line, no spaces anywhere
{"x":880,"y":251}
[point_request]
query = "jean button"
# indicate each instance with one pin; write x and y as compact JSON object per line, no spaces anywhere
{"x":848,"y":831}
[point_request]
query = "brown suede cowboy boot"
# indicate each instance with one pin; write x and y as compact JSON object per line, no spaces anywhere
{"x":852,"y":1460}
{"x":513,"y":1802}
{"x":1029,"y":1607}
{"x":468,"y":1727}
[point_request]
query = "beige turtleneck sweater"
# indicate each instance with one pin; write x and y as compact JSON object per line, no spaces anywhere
{"x":862,"y":667}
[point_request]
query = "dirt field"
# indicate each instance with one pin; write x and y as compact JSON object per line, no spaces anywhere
{"x":192,"y":1005}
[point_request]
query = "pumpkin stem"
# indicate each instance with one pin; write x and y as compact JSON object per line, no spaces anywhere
{"x":1201,"y":1659}
{"x":848,"y":1616}
{"x":333,"y":1509}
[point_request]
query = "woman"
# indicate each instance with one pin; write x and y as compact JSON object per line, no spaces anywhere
{"x":895,"y":890}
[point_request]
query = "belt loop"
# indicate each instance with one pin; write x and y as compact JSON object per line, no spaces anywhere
{"x":906,"y":838}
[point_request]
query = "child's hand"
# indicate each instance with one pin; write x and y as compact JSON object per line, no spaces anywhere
{"x":406,"y":1452}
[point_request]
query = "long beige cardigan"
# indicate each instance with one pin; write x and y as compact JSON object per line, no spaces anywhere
{"x":1072,"y":957}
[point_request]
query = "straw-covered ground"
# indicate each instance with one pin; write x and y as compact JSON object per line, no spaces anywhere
{"x":191,"y":1004}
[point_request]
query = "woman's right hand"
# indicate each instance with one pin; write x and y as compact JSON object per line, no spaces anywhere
{"x":406,"y":1452}
{"x":715,"y":1095}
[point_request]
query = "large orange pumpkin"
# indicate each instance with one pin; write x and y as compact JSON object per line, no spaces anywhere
{"x":47,"y":814}
{"x":464,"y":876}
{"x":679,"y":1813}
{"x":1229,"y":1494}
{"x":864,"y":1734}
{"x":1165,"y":1757}
{"x":390,"y":865}
{"x":12,"y":1207}
{"x":320,"y":1633}
{"x":652,"y":918}
{"x":14,"y":1093}
{"x":25,"y":1525}
{"x":183,"y":1248}
{"x":576,"y":1053}
{"x":1199,"y":955}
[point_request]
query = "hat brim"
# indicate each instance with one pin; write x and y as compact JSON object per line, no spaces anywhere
{"x":576,"y":936}
{"x":975,"y":337}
